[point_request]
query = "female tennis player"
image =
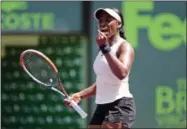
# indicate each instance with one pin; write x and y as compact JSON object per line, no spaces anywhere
{"x":115,"y":104}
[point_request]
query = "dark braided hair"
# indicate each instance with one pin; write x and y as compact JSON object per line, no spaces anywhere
{"x":121,"y":31}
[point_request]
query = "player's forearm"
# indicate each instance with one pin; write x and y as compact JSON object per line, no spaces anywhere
{"x":88,"y":92}
{"x":116,"y":66}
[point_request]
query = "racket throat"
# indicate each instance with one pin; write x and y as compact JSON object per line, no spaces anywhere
{"x":63,"y":90}
{"x":54,"y":89}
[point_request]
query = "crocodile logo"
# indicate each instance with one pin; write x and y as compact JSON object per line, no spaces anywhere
{"x":13,"y":6}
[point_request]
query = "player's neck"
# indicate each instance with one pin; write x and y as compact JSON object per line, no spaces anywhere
{"x":114,"y":39}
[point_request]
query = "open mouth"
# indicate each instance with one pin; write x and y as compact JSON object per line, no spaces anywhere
{"x":105,"y":31}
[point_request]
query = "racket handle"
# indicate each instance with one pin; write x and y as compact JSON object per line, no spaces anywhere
{"x":78,"y":109}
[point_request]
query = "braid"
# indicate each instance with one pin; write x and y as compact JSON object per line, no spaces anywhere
{"x":122,"y":33}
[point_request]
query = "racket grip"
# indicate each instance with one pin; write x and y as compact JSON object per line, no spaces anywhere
{"x":78,"y":109}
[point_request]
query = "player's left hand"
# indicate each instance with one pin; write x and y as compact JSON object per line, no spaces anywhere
{"x":101,"y":38}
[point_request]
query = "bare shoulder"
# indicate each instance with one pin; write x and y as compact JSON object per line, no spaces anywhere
{"x":126,"y":47}
{"x":126,"y":53}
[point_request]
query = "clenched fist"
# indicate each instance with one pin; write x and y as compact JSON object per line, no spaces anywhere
{"x":75,"y":97}
{"x":101,"y":38}
{"x":102,"y":42}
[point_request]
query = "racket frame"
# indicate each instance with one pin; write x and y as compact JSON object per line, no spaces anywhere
{"x":48,"y":61}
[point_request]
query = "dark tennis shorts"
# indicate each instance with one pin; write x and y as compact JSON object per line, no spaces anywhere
{"x":120,"y":111}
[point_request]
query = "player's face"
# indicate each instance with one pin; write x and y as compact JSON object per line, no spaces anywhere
{"x":107,"y":24}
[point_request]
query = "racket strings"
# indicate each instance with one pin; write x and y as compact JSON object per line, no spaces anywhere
{"x":40,"y":69}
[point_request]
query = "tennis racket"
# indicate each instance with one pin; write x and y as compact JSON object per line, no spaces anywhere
{"x":42,"y":70}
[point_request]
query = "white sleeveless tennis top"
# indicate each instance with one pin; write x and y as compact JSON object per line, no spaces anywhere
{"x":108,"y":87}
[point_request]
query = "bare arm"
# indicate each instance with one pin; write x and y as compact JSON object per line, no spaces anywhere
{"x":122,"y":65}
{"x":88,"y":92}
{"x":76,"y":97}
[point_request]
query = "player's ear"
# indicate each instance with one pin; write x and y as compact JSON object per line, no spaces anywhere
{"x":119,"y":25}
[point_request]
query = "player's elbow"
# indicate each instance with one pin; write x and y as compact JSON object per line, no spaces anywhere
{"x":123,"y":74}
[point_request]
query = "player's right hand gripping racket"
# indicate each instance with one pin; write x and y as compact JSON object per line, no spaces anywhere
{"x":42,"y":70}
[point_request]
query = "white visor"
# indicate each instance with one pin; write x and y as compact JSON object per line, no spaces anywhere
{"x":111,"y":12}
